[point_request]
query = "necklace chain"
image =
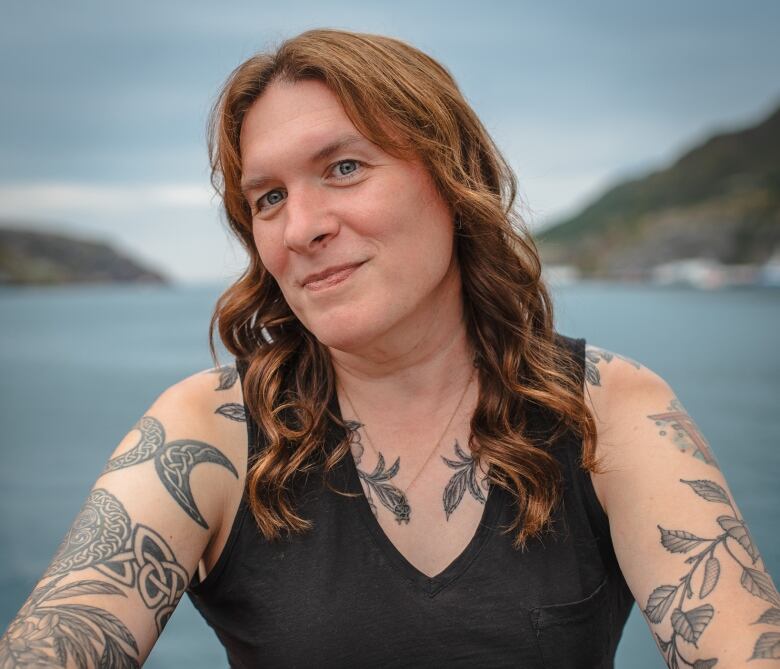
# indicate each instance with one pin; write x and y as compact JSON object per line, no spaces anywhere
{"x":436,"y":445}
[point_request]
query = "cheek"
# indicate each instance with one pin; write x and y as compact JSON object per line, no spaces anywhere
{"x":270,"y":255}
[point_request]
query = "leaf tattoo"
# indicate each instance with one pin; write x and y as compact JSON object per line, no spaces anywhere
{"x":659,"y":602}
{"x":739,"y":531}
{"x":232,"y":411}
{"x":228,"y":375}
{"x":174,"y":462}
{"x":759,"y":584}
{"x":593,"y":356}
{"x":392,"y":498}
{"x":709,"y":490}
{"x":378,"y":482}
{"x":711,"y":576}
{"x":464,"y":478}
{"x":767,"y":647}
{"x":47,"y":632}
{"x":679,"y":541}
{"x":690,"y":624}
{"x":355,"y":443}
{"x":770,"y":617}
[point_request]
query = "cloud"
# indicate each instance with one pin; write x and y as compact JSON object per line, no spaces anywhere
{"x":59,"y":198}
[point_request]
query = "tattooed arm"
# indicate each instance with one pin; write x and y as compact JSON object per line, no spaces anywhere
{"x":681,"y":542}
{"x":128,"y":557}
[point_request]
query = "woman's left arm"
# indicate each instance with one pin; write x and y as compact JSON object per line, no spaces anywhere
{"x":680,"y":540}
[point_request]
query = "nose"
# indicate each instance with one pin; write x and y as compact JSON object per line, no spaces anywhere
{"x":310,"y":223}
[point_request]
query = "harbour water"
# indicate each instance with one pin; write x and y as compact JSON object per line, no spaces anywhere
{"x":80,"y":365}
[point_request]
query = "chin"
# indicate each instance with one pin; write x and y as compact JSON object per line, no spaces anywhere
{"x":347,"y":332}
{"x":346,"y":339}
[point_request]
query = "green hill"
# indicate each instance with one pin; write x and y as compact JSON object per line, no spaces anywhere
{"x":35,"y":257}
{"x":720,"y":201}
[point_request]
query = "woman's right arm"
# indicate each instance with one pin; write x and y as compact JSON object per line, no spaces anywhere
{"x":134,"y":546}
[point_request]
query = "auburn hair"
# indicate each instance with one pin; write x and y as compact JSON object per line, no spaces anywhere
{"x":407,"y":103}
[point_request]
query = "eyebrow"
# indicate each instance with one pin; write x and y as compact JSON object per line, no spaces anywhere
{"x":323,"y":154}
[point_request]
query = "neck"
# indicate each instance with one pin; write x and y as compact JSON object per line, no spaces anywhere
{"x":419,"y":374}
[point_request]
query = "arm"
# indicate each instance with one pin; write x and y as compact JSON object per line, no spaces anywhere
{"x":131,"y":552}
{"x":681,"y":542}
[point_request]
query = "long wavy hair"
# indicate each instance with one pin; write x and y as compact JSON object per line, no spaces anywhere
{"x":407,"y":103}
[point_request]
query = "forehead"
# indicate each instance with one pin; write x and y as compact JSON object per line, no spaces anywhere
{"x":289,"y":116}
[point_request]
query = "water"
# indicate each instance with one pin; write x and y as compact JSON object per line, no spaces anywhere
{"x":80,"y":365}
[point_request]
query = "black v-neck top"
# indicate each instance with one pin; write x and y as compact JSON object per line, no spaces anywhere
{"x":341,"y":594}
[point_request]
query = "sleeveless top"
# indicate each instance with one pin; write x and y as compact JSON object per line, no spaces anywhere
{"x":341,"y":594}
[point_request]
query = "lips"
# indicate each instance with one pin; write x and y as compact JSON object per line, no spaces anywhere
{"x":329,"y":276}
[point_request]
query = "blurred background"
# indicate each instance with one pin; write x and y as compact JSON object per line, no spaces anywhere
{"x":645,"y":137}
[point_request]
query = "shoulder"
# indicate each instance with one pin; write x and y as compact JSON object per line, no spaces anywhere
{"x":604,"y":368}
{"x":207,"y":407}
{"x":208,"y":400}
{"x":616,"y":385}
{"x":623,"y":393}
{"x":643,"y":429}
{"x":197,"y":421}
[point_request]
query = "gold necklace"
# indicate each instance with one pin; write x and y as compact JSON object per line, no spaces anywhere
{"x":392,"y":497}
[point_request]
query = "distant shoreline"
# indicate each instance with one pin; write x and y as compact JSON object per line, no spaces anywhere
{"x":36,"y":258}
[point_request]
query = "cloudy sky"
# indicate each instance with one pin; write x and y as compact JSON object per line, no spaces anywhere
{"x":104,"y":104}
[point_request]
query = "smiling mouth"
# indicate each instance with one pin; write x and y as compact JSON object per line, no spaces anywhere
{"x":332,"y":279}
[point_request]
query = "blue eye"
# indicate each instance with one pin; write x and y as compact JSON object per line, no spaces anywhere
{"x":270,"y":199}
{"x":345,"y":168}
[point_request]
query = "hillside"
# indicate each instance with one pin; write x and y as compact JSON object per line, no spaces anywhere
{"x":720,"y":201}
{"x":34,"y":257}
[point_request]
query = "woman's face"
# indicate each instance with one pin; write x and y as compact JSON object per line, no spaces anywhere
{"x":360,"y":242}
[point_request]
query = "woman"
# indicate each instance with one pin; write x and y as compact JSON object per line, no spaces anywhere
{"x":414,"y":469}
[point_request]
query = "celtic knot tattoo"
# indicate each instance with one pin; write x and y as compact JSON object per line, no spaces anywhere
{"x":136,"y":557}
{"x":101,"y":530}
{"x":159,"y":578}
{"x":50,"y":631}
{"x":174,"y":462}
{"x":152,"y":439}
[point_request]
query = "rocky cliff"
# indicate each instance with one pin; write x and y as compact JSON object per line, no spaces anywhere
{"x":34,"y":257}
{"x":719,"y":201}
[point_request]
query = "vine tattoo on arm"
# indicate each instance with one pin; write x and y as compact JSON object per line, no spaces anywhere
{"x":689,"y":623}
{"x":174,"y":462}
{"x":228,"y":375}
{"x":378,"y":482}
{"x":594,"y":355}
{"x":464,"y":478}
{"x":49,"y":630}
